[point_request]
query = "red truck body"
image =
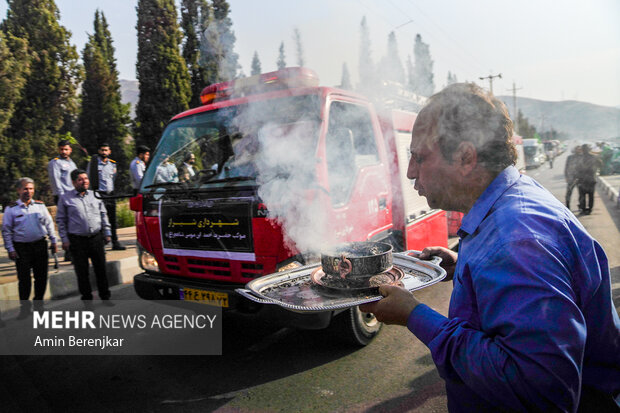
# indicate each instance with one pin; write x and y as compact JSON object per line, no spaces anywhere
{"x":200,"y":239}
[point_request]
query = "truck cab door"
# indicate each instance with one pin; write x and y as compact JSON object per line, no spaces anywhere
{"x":357,"y":175}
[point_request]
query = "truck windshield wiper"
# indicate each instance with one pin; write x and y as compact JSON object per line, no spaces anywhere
{"x":164,"y":184}
{"x":232,"y":179}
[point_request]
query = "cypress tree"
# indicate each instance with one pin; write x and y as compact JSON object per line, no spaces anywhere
{"x":103,"y":116}
{"x":162,"y":74}
{"x":211,"y":53}
{"x":47,"y":108}
{"x":299,"y":48}
{"x":423,"y":68}
{"x":345,"y":82}
{"x":14,"y":66}
{"x":191,"y":24}
{"x":391,"y":64}
{"x":281,"y":63}
{"x":366,"y":67}
{"x":256,"y":69}
{"x":229,"y":63}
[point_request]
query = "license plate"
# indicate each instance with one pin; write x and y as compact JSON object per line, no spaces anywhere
{"x":213,"y":298}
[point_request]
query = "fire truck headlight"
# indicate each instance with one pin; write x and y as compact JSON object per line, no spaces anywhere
{"x":147,"y":261}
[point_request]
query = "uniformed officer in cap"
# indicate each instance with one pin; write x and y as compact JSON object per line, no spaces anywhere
{"x":102,"y":173}
{"x":138,"y":166}
{"x":25,"y":225}
{"x":59,"y":170}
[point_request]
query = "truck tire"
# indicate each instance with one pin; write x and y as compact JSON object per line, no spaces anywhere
{"x":355,"y":327}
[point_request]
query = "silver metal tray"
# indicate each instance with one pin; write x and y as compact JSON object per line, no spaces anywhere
{"x":295,"y":291}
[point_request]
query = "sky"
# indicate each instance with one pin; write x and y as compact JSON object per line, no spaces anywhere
{"x":551,"y":50}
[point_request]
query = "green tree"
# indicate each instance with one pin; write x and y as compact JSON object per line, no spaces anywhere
{"x":451,"y":78}
{"x":281,"y":63}
{"x":523,"y":126}
{"x":191,"y":24}
{"x":103,"y":116}
{"x":423,"y":83}
{"x":366,"y":66}
{"x":229,"y":63}
{"x":345,"y":82}
{"x":162,"y":74}
{"x":14,"y":66}
{"x":392,"y":65}
{"x":299,"y":47}
{"x":46,"y":110}
{"x":256,"y":69}
{"x":211,"y":53}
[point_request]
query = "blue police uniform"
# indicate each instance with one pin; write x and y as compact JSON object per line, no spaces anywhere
{"x":24,"y":229}
{"x":102,"y":175}
{"x":137,"y":168}
{"x":59,"y":171}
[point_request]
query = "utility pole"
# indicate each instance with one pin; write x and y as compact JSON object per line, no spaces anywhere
{"x":490,"y":77}
{"x":515,"y":114}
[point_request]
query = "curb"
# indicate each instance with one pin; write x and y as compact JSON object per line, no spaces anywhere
{"x":607,"y":189}
{"x":64,"y":283}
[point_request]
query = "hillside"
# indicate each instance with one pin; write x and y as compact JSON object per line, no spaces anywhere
{"x":130,"y":94}
{"x":579,"y":120}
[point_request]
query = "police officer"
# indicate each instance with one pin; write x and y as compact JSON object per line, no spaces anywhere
{"x":102,"y":173}
{"x":138,"y":166}
{"x":59,"y":171}
{"x":25,"y":225}
{"x":84,"y":229}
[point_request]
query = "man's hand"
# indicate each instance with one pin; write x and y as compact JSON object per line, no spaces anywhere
{"x":107,"y":240}
{"x":448,"y":259}
{"x":54,"y":248}
{"x":65,"y":246}
{"x":13,"y":255}
{"x":394,"y":308}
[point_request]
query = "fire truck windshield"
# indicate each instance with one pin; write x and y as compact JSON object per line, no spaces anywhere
{"x":220,"y":146}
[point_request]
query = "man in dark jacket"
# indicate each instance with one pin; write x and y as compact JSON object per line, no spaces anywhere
{"x":570,"y":172}
{"x":587,"y":167}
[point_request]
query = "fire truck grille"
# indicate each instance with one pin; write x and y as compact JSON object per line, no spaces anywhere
{"x":212,"y":267}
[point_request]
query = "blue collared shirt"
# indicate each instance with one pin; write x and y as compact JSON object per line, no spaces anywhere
{"x":107,"y":174}
{"x":59,"y":171}
{"x":81,"y":215}
{"x":26,"y":223}
{"x":137,"y":168}
{"x":531,"y":316}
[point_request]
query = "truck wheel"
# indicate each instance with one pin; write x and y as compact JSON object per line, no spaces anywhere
{"x":355,"y":327}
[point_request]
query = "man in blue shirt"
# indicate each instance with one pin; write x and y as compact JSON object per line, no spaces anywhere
{"x":531,"y":324}
{"x":138,"y":166}
{"x":84,"y":230}
{"x":25,"y":225}
{"x":102,"y":174}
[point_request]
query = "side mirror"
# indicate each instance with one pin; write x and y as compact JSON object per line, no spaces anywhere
{"x":135,"y":203}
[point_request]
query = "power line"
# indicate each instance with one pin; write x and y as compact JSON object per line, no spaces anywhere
{"x":491,"y":77}
{"x":515,"y":114}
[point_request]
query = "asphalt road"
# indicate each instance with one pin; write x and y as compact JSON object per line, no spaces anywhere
{"x":264,"y":367}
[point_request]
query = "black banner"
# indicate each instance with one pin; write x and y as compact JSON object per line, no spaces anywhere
{"x":207,"y":225}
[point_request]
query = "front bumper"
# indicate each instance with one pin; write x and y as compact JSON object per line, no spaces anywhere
{"x":150,"y":286}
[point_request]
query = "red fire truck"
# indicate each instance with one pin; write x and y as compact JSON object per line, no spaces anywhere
{"x":208,"y":227}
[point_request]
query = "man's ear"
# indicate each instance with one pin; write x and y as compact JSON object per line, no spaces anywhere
{"x":465,"y":157}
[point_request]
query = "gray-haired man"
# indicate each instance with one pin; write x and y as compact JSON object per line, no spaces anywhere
{"x":25,"y":225}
